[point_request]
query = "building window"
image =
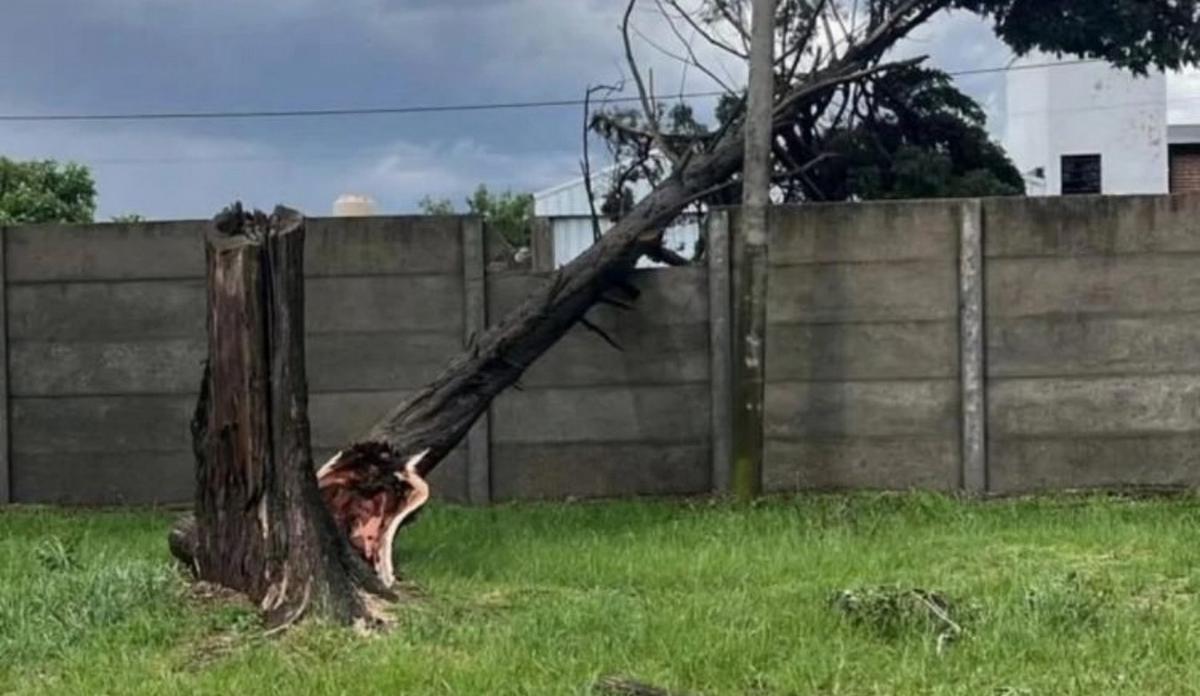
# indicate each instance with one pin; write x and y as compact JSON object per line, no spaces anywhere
{"x":1185,"y":168}
{"x":1081,"y":174}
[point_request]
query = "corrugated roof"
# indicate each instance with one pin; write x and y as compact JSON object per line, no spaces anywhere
{"x":1183,"y":134}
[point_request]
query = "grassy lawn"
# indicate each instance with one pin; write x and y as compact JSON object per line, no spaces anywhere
{"x":1074,"y":595}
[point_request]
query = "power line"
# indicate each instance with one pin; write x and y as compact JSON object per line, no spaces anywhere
{"x":418,"y":109}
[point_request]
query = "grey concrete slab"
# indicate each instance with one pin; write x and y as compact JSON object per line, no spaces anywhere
{"x":677,"y":413}
{"x":349,"y":361}
{"x":849,"y":232}
{"x":101,"y":424}
{"x":1024,"y":465}
{"x":1139,"y":405}
{"x":653,"y":354}
{"x":1090,"y":225}
{"x":105,"y":478}
{"x":73,"y":368}
{"x":799,"y":410}
{"x":1080,"y":345}
{"x":382,"y":245}
{"x":909,"y":291}
{"x":1093,"y":285}
{"x":839,"y":352}
{"x":861,"y":463}
{"x":339,"y":418}
{"x":669,"y":295}
{"x":587,"y":470}
{"x":107,"y":251}
{"x":124,"y":311}
{"x":384,"y":303}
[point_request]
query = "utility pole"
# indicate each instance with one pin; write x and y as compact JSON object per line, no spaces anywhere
{"x":750,"y":348}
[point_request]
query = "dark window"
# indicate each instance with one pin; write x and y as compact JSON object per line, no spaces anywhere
{"x":1080,"y":174}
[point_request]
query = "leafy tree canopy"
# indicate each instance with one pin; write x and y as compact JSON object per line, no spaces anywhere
{"x":1135,"y":34}
{"x":45,"y":191}
{"x":508,"y":214}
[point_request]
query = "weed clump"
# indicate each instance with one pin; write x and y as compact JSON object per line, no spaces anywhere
{"x":892,"y":613}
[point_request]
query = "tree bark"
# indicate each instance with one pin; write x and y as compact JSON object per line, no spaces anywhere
{"x":261,"y":526}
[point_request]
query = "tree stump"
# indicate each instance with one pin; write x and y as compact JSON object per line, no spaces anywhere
{"x":261,"y":524}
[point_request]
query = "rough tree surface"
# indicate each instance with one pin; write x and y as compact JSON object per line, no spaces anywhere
{"x":262,"y":525}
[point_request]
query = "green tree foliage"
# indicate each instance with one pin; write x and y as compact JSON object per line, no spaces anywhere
{"x":435,"y":206}
{"x":128,"y":218}
{"x":1136,"y":34}
{"x":509,"y":214}
{"x":919,"y":137}
{"x":45,"y":191}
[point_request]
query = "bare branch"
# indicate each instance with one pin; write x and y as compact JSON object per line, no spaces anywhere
{"x":705,"y":34}
{"x":819,"y":85}
{"x":798,"y":171}
{"x":737,"y":23}
{"x":647,"y":104}
{"x":587,"y":164}
{"x":691,"y":57}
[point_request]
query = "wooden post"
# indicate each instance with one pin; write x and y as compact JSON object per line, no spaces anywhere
{"x":750,"y":348}
{"x":720,"y":332}
{"x":971,"y":349}
{"x":479,"y":471}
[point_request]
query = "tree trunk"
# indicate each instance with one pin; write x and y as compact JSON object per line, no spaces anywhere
{"x":260,"y":525}
{"x":422,"y":430}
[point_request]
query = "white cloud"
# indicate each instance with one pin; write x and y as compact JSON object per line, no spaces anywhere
{"x":407,"y":171}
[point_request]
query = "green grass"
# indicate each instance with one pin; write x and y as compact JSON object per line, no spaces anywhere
{"x":1073,"y":595}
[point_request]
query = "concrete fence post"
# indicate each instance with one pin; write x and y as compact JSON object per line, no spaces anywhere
{"x":479,"y":467}
{"x":6,"y":494}
{"x":541,"y":245}
{"x":720,"y":328}
{"x":971,"y":349}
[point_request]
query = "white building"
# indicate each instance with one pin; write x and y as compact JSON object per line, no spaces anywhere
{"x":1086,"y":127}
{"x":570,"y":218}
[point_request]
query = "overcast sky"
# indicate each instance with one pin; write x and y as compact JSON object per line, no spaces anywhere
{"x":103,"y":56}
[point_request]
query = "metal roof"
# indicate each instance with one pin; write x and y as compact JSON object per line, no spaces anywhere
{"x":1183,"y":134}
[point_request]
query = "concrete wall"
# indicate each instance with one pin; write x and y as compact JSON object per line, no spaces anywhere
{"x":879,"y":319}
{"x":590,"y":420}
{"x":1093,"y":325}
{"x":106,"y":338}
{"x":862,"y":347}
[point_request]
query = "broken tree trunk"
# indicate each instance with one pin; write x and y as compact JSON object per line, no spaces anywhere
{"x":437,"y":417}
{"x":376,"y":484}
{"x":261,"y":526}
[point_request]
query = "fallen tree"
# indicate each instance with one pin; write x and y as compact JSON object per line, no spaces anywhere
{"x":295,"y":542}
